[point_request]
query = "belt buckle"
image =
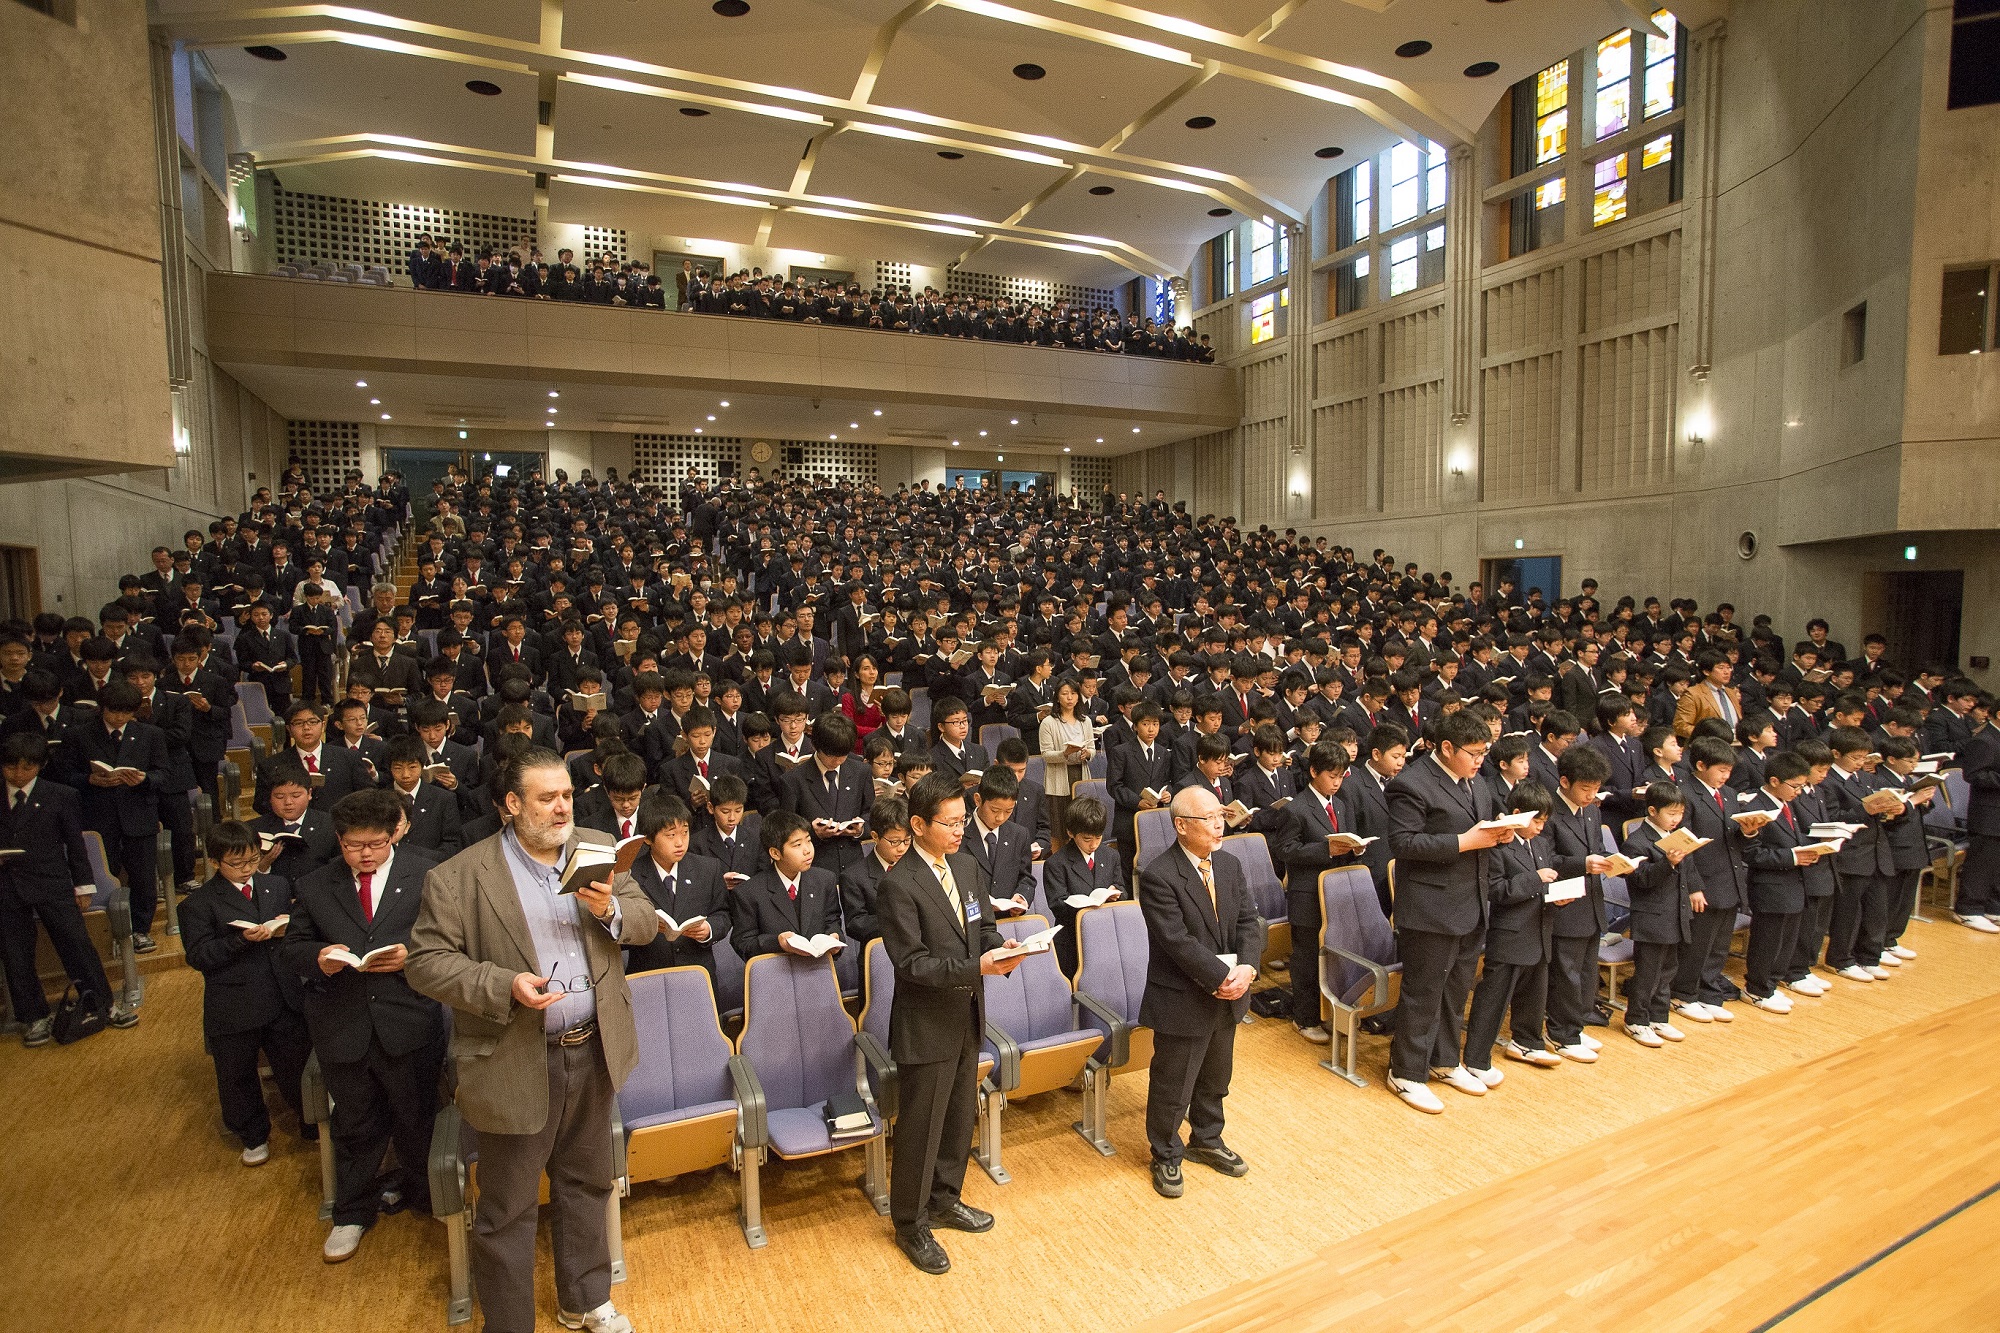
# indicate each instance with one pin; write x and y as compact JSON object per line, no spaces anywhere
{"x":579,"y":1034}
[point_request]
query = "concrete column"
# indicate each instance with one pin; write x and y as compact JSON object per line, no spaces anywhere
{"x":1698,"y":196}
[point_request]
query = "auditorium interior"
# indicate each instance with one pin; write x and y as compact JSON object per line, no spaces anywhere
{"x":1494,"y":312}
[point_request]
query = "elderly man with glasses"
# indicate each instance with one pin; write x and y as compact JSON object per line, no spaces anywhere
{"x":1204,"y":943}
{"x":543,"y":1034}
{"x":379,"y":1042}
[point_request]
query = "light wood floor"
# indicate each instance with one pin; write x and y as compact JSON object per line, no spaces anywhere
{"x":126,"y":1209}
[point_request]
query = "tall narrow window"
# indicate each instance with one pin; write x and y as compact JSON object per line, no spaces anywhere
{"x":1434,"y":187}
{"x":1405,"y":183}
{"x":1608,"y":205}
{"x":1660,"y":65}
{"x":1350,"y":206}
{"x":1614,"y":83}
{"x":1965,"y":318}
{"x":1364,"y":201}
{"x":1403,"y":266}
{"x":1552,"y":112}
{"x":1263,"y":319}
{"x":1264,"y":244}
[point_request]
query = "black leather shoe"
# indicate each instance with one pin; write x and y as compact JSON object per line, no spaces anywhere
{"x":1221,"y":1158}
{"x":1167,"y":1180}
{"x":962,"y":1216}
{"x":921,"y":1248}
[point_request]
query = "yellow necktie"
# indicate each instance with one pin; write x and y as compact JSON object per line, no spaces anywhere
{"x":1208,"y":882}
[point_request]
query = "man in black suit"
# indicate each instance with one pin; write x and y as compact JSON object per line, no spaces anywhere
{"x":1976,"y":903}
{"x":1002,"y":848}
{"x":1435,"y":805}
{"x":210,"y":698}
{"x":684,"y":887}
{"x":1307,"y":846}
{"x":831,"y":791}
{"x":251,"y":999}
{"x":1204,"y":943}
{"x":789,"y":897}
{"x":123,"y":808}
{"x":938,"y":929}
{"x":47,"y":879}
{"x":174,"y":716}
{"x":312,"y":843}
{"x":380,"y":667}
{"x":432,"y":811}
{"x":333,"y":771}
{"x":380,"y":1043}
{"x":861,"y":882}
{"x":1700,"y":989}
{"x":1134,"y":769}
{"x":703,"y":761}
{"x":1576,"y":828}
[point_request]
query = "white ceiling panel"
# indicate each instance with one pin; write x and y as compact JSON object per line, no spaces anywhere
{"x":905,"y":174}
{"x":839,"y":236}
{"x":464,"y":189}
{"x":1019,"y":259}
{"x":650,"y":217}
{"x":650,"y":133}
{"x":815,"y":45}
{"x":1166,"y":224}
{"x":518,"y":20}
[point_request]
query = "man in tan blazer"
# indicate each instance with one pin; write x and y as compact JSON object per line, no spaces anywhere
{"x":542,"y":1036}
{"x":1710,"y":696}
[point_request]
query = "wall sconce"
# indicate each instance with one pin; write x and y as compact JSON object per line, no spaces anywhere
{"x":1698,"y":426}
{"x":183,"y":442}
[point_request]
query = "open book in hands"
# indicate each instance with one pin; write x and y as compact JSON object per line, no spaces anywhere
{"x":1039,"y":942}
{"x":1565,"y":890}
{"x":276,"y":923}
{"x":1747,"y":817}
{"x":1013,"y":906}
{"x":1617,"y":863}
{"x":1345,"y":843}
{"x":830,"y":827}
{"x":672,"y":929}
{"x":1236,"y":814}
{"x":117,"y":770}
{"x":360,"y":962}
{"x":1680,"y":840}
{"x":1095,"y":898}
{"x":590,"y":863}
{"x":1518,"y":821}
{"x":814,"y":946}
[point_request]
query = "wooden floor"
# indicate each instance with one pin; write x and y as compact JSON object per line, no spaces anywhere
{"x":1708,"y":1185}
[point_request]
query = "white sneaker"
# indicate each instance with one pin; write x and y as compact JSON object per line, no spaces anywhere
{"x":258,"y":1155}
{"x":1458,"y":1076}
{"x":1669,"y":1031}
{"x":1720,"y":1013}
{"x":1903,"y":951}
{"x":1889,"y":959}
{"x":1981,"y":924}
{"x":1316,"y":1034}
{"x":1808,"y":985}
{"x":1643,"y":1034}
{"x":1580,"y":1053}
{"x":341,"y":1243}
{"x":1491,"y":1077}
{"x":1694,"y":1011}
{"x":1878,"y":972}
{"x":604,"y":1319}
{"x":1416,"y":1094}
{"x":1541,"y":1057}
{"x":1777,"y":1002}
{"x":1855,"y":972}
{"x":1593,"y":1043}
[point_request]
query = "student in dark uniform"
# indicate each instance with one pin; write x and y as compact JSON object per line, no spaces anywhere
{"x":1514,"y":973}
{"x":1664,"y":890}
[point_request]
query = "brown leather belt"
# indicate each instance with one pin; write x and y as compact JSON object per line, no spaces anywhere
{"x":577,"y":1035}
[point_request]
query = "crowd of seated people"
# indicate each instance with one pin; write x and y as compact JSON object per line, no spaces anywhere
{"x":697,"y":650}
{"x":754,"y":294}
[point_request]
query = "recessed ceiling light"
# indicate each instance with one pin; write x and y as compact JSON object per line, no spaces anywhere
{"x":878,"y":411}
{"x":1200,"y":122}
{"x":482,"y":87}
{"x":1103,"y":189}
{"x":1328,"y":152}
{"x":1100,"y":439}
{"x":696,"y":111}
{"x":1013,"y":421}
{"x":265,"y":52}
{"x":1410,"y":50}
{"x":1482,"y":69}
{"x":954,"y":444}
{"x":854,"y":425}
{"x":385,"y":416}
{"x":555,"y":393}
{"x":731,"y":9}
{"x":982,"y":434}
{"x":1220,"y":212}
{"x":374,"y":402}
{"x":697,"y":430}
{"x":999,"y":458}
{"x":725,"y":402}
{"x":361,"y":384}
{"x":711,"y":416}
{"x":833,"y":437}
{"x":1065,"y":448}
{"x":950,"y":154}
{"x":1135,"y":430}
{"x":1029,"y":72}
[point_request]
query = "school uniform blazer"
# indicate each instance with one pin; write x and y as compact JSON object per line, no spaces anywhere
{"x":1811,"y":807}
{"x":741,"y":855}
{"x":1521,"y":918}
{"x":1299,"y":846}
{"x":1438,"y":888}
{"x":1258,"y":790}
{"x":299,"y":859}
{"x":1576,"y":836}
{"x":935,"y":949}
{"x":1128,"y":773}
{"x":345,"y":1010}
{"x":1011,"y":868}
{"x":131,"y":812}
{"x":803,"y":791}
{"x":697,"y":891}
{"x":955,"y":766}
{"x":1065,"y":873}
{"x":470,"y":939}
{"x":1725,"y":877}
{"x":1185,"y":934}
{"x":1661,"y":911}
{"x":435,"y":822}
{"x":1867,"y":852}
{"x":859,"y":884}
{"x":1626,"y":764}
{"x":1365,"y":810}
{"x":677,"y":775}
{"x":48,"y":831}
{"x":246,"y":984}
{"x":764,"y":911}
{"x":341,"y":767}
{"x":1777,"y":884}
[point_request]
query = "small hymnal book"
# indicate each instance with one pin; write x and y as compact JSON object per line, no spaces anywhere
{"x":1039,"y":942}
{"x":583,"y":703}
{"x":629,"y":850}
{"x":1745,"y":817}
{"x":1833,"y":828}
{"x":117,"y":771}
{"x":994,"y":694}
{"x":734,"y":877}
{"x":271,"y":840}
{"x":389,"y":698}
{"x":1347,"y":842}
{"x":856,"y":825}
{"x":962,"y":656}
{"x":433,"y":772}
{"x":1160,"y":794}
{"x":816,"y":946}
{"x":971,"y":776}
{"x":349,"y":957}
{"x":1095,"y":898}
{"x":1236,"y":814}
{"x":673,"y":929}
{"x":1824,"y":847}
{"x":1565,"y":890}
{"x":281,"y":919}
{"x":1680,"y":840}
{"x":789,"y":761}
{"x":1520,"y":819}
{"x":847,"y":1117}
{"x":589,"y":863}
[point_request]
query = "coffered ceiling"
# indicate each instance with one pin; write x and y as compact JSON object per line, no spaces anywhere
{"x":931,"y":130}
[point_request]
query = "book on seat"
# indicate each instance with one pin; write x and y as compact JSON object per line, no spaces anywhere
{"x":847,"y":1117}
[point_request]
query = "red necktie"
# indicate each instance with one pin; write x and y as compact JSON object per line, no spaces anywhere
{"x":792,"y":891}
{"x":368,"y":897}
{"x":1720,"y":806}
{"x":1090,"y":863}
{"x":312,"y":764}
{"x":1332,"y":816}
{"x":249,"y":894}
{"x":702,"y":766}
{"x":1786,"y":811}
{"x":624,"y":828}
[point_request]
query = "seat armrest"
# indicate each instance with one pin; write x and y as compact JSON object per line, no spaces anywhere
{"x":873,"y":1057}
{"x":118,"y":910}
{"x":1007,"y":1058}
{"x":1121,"y":1031}
{"x":312,"y":1093}
{"x":447,"y":1164}
{"x":1375,"y":969}
{"x":751,"y":1125}
{"x":617,"y":1142}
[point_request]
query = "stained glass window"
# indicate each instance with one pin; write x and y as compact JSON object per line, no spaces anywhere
{"x":1551,"y":112}
{"x":1608,"y":205}
{"x":1549,"y":193}
{"x":1263,"y":319}
{"x":1657,"y":152}
{"x":1660,"y":87}
{"x":1614,"y":83}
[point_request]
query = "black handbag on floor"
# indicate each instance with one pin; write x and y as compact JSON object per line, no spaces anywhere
{"x":78,"y":1015}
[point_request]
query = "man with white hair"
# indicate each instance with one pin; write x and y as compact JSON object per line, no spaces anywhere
{"x":1205,"y":941}
{"x":543,"y":1035}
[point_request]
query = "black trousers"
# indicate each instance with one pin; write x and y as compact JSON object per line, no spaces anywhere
{"x":64,"y":922}
{"x":938,"y":1105}
{"x":1698,"y":971}
{"x":284,"y":1042}
{"x":1649,"y":993}
{"x":1812,"y":937}
{"x":1519,"y":988}
{"x":1902,"y":902}
{"x":1189,"y":1078}
{"x":177,"y":817}
{"x":1572,"y":986}
{"x":380,"y":1099}
{"x":316,"y":677}
{"x":1860,"y":913}
{"x":1774,"y":937}
{"x":1303,"y":911}
{"x":1978,"y":891}
{"x":136,"y":858}
{"x":1430,"y":1018}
